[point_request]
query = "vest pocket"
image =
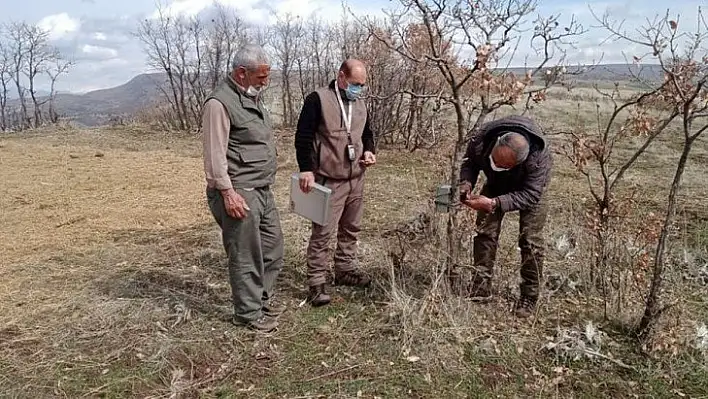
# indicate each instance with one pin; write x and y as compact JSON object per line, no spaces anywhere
{"x":254,"y":155}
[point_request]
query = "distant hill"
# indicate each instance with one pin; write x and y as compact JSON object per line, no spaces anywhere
{"x":97,"y":107}
{"x":625,"y":74}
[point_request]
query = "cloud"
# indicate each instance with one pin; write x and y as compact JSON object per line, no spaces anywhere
{"x":182,"y":7}
{"x":99,"y":52}
{"x":259,"y":12}
{"x":107,"y":53}
{"x":59,"y":25}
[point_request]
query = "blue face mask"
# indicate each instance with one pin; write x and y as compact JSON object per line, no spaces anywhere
{"x":353,"y":91}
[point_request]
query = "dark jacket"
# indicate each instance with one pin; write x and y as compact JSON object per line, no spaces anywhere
{"x":521,"y":187}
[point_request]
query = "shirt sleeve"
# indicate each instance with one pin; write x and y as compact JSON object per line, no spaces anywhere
{"x":469,"y":169}
{"x":215,"y":130}
{"x":307,"y":126}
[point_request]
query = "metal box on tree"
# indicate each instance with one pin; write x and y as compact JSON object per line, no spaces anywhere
{"x":443,"y":198}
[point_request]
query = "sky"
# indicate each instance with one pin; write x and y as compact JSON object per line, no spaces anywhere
{"x":97,"y":34}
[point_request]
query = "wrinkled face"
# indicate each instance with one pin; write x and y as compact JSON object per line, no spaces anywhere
{"x":504,"y":157}
{"x":257,"y":78}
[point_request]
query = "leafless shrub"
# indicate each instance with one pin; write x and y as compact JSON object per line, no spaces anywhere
{"x":25,"y":55}
{"x":614,"y":218}
{"x":466,"y":42}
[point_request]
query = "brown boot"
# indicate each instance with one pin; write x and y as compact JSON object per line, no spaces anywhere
{"x":353,"y":278}
{"x":318,"y":296}
{"x":525,"y":307}
{"x":264,"y":325}
{"x":273,"y":308}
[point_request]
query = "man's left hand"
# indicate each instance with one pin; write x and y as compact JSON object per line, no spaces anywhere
{"x":369,"y":159}
{"x":480,"y":203}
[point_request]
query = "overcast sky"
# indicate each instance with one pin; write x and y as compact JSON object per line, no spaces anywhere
{"x":97,"y":33}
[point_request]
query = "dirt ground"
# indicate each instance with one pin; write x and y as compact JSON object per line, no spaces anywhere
{"x":113,"y":284}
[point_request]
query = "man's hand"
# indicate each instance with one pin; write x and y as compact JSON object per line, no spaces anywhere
{"x":307,"y":180}
{"x":235,"y":205}
{"x":465,"y":190}
{"x":369,"y":159}
{"x":480,"y":203}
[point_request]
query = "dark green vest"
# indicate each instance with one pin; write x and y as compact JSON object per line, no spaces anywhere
{"x":251,"y":151}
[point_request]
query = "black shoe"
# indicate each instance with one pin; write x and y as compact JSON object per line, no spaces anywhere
{"x":318,"y":296}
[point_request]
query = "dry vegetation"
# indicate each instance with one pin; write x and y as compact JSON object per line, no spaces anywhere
{"x":113,"y":275}
{"x":114,"y":285}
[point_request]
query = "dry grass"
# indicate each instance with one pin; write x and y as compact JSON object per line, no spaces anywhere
{"x":113,"y":284}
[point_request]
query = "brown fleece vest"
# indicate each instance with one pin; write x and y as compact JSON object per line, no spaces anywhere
{"x":331,"y":140}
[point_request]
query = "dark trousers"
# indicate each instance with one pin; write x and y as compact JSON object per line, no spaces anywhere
{"x":254,"y":246}
{"x":531,"y":242}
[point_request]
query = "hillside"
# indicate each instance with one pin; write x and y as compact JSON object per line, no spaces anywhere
{"x":95,"y":108}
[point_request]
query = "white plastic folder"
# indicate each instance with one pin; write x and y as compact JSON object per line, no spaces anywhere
{"x":314,"y":205}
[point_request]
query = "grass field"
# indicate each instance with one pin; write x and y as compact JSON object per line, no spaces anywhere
{"x":113,"y":284}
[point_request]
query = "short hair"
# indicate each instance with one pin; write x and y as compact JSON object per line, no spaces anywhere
{"x":250,"y":56}
{"x":517,"y":143}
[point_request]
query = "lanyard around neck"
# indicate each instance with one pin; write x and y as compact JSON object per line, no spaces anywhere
{"x":347,"y":117}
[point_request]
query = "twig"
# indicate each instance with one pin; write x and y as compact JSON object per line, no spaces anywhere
{"x":71,"y":221}
{"x":615,"y":361}
{"x":333,"y":373}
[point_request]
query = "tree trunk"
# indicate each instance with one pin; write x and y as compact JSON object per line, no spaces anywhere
{"x":652,"y":309}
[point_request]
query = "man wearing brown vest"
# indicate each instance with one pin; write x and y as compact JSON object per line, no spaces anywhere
{"x":334,"y":146}
{"x":240,"y":167}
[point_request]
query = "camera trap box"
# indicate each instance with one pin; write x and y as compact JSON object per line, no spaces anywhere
{"x":443,"y":198}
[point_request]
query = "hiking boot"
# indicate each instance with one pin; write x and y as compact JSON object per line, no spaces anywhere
{"x":480,"y":291}
{"x":525,"y":307}
{"x":273,"y":309}
{"x":318,"y":296}
{"x":353,"y":278}
{"x":264,"y":325}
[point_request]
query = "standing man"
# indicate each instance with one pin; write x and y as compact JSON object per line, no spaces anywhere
{"x":334,"y":146}
{"x":517,"y":163}
{"x":240,"y":166}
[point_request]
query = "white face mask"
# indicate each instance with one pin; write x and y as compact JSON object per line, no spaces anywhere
{"x":494,"y":166}
{"x":253,"y":92}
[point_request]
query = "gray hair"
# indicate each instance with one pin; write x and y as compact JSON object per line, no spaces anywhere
{"x":250,"y":56}
{"x":517,"y":143}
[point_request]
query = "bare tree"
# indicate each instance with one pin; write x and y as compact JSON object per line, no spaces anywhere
{"x":59,"y":68}
{"x":595,"y":155}
{"x":39,"y":56}
{"x":473,"y":86}
{"x":160,"y":41}
{"x":26,"y":55}
{"x":18,"y":53}
{"x":226,"y":33}
{"x":285,"y":40}
{"x":684,"y":93}
{"x":5,"y":79}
